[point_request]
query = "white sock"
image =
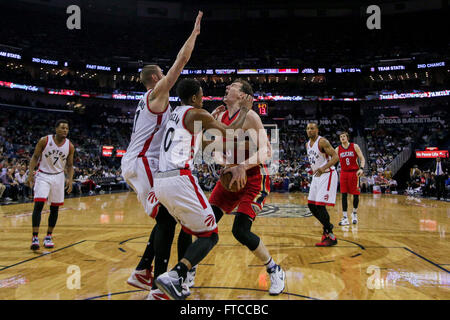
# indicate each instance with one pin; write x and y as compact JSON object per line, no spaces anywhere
{"x":270,"y":264}
{"x":354,"y":211}
{"x":344,"y":214}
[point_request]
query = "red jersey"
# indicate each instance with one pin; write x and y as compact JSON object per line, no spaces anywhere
{"x":348,"y":158}
{"x":226,"y":117}
{"x":227,"y":120}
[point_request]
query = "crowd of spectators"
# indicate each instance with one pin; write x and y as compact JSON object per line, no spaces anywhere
{"x":20,"y":131}
{"x":21,"y":128}
{"x":429,"y":182}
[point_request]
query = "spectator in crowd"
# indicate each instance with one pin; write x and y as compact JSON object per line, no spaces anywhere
{"x":21,"y":178}
{"x":12,"y":187}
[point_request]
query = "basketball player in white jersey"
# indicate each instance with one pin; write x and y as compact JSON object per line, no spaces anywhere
{"x":178,"y":189}
{"x":53,"y":153}
{"x":322,"y":192}
{"x":141,"y":161}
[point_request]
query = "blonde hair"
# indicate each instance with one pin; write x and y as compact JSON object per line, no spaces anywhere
{"x":147,"y":72}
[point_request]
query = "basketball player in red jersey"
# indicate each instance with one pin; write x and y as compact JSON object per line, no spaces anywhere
{"x":141,"y":162}
{"x":348,"y":154}
{"x":52,"y":154}
{"x":251,"y":196}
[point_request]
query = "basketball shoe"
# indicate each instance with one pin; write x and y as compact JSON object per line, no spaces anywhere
{"x":344,"y":221}
{"x":191,"y":277}
{"x":34,"y":243}
{"x":48,"y":242}
{"x":157,"y":294}
{"x":142,"y":279}
{"x":277,"y":278}
{"x":171,"y":284}
{"x":354,"y":218}
{"x":328,"y":240}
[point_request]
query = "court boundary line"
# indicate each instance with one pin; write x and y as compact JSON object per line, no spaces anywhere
{"x":42,"y":255}
{"x":223,"y":288}
{"x":427,"y":260}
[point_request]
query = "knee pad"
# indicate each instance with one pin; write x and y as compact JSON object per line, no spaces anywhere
{"x":355,"y":201}
{"x":164,"y":218}
{"x":312,"y":208}
{"x":344,"y":202}
{"x":218,"y":213}
{"x":214,"y":239}
{"x":241,"y":231}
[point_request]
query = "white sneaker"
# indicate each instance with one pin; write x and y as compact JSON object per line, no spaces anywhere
{"x":344,"y":221}
{"x":48,"y":242}
{"x":277,"y":279}
{"x":157,"y":295}
{"x":191,"y":277}
{"x":354,"y":218}
{"x":142,"y":279}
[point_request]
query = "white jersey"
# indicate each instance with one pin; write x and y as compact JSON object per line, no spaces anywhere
{"x":316,"y":157}
{"x":179,"y":145}
{"x":54,"y":157}
{"x":146,"y":136}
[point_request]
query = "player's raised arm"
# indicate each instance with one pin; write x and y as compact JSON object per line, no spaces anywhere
{"x":69,"y":166}
{"x":259,"y":136}
{"x":208,"y":122}
{"x":362,"y":160}
{"x":40,"y":146}
{"x":162,"y":88}
{"x":325,"y":145}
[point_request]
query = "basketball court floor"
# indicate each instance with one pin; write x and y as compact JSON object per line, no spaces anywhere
{"x":400,"y":249}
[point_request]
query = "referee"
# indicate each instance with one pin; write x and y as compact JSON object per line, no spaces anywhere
{"x":440,"y":176}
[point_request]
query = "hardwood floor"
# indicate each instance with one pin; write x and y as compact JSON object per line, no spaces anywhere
{"x":398,"y":250}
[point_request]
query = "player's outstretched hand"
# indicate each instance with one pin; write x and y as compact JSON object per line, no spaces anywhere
{"x":196,"y":30}
{"x":30,"y":180}
{"x":69,"y":186}
{"x":319,"y":172}
{"x":238,"y":173}
{"x":218,"y":110}
{"x":246,"y":103}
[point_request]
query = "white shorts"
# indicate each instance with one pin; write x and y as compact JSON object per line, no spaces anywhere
{"x":49,"y":186}
{"x":139,"y":175}
{"x":180,"y":193}
{"x":323,"y":189}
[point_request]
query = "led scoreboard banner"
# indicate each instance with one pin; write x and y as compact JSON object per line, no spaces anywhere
{"x":432,"y":152}
{"x":107,"y":151}
{"x":120,"y":153}
{"x":263,"y":109}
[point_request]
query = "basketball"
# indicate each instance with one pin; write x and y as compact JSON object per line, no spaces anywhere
{"x":225,"y":179}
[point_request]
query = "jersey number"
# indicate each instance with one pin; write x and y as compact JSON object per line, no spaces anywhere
{"x":347,"y":161}
{"x":136,"y":116}
{"x":56,"y":160}
{"x":171,"y":131}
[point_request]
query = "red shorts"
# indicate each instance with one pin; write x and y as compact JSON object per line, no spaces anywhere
{"x":349,"y":182}
{"x":249,"y":200}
